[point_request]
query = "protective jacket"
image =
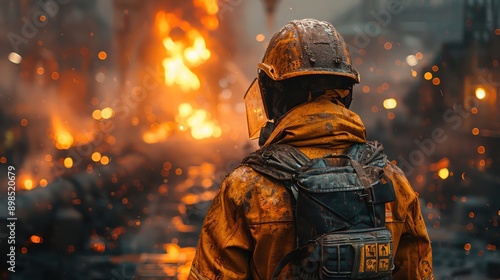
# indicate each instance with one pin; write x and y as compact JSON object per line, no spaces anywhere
{"x":250,"y":225}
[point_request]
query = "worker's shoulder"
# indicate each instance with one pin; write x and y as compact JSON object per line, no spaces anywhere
{"x":243,"y":174}
{"x":244,"y":183}
{"x":250,"y":176}
{"x":401,"y":184}
{"x":393,"y":170}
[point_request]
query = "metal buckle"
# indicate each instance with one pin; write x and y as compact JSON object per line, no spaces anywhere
{"x":368,"y":194}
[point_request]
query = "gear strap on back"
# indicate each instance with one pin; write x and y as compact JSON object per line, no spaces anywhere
{"x":282,"y":162}
{"x":287,"y":164}
{"x":279,"y":162}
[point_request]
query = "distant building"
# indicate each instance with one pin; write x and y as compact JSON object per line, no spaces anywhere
{"x":465,"y":73}
{"x":457,"y":98}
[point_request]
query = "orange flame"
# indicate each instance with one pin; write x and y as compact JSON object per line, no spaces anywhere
{"x":181,"y":54}
{"x":186,"y":49}
{"x":61,"y":136}
{"x":64,"y":137}
{"x":158,"y":133}
{"x":211,"y":8}
{"x":198,"y":121}
{"x":172,"y":252}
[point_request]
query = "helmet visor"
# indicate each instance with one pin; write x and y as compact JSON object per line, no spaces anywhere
{"x":256,"y":113}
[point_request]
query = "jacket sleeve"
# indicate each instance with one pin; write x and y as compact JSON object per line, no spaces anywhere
{"x":224,"y":245}
{"x":412,"y":246}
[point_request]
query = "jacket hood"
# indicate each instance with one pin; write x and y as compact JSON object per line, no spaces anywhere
{"x":320,"y":123}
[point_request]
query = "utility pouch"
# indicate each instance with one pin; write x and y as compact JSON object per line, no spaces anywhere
{"x":352,"y":254}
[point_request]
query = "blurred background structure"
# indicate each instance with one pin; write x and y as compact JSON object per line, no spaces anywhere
{"x":122,"y":117}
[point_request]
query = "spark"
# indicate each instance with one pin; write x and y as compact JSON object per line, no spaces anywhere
{"x":15,"y":58}
{"x":28,"y":184}
{"x":411,"y":60}
{"x":480,"y":93}
{"x":68,"y":162}
{"x":443,"y":173}
{"x":390,"y":103}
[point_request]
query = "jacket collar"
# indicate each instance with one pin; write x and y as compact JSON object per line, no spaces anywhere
{"x":319,"y":123}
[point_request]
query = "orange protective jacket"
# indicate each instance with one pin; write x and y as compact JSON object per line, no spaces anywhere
{"x":250,"y":226}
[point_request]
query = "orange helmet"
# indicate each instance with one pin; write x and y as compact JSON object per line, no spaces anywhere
{"x":300,"y":48}
{"x":305,"y":47}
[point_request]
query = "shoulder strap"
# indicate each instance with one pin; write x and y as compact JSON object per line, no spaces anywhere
{"x":281,"y":161}
{"x":278,"y":161}
{"x":369,"y":153}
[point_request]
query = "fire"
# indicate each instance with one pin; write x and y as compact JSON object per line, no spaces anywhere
{"x":198,"y":121}
{"x":186,"y":49}
{"x":65,"y":136}
{"x":177,"y":254}
{"x":172,"y":252}
{"x":61,"y":136}
{"x":210,"y":6}
{"x":158,"y":132}
{"x":182,"y":54}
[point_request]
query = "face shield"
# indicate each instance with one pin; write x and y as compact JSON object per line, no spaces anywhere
{"x":256,"y":113}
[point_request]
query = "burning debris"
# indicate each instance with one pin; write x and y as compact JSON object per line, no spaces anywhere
{"x":94,"y":192}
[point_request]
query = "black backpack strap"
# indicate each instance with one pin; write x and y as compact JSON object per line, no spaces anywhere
{"x":369,"y":153}
{"x":281,"y":161}
{"x":278,"y":161}
{"x":288,"y":258}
